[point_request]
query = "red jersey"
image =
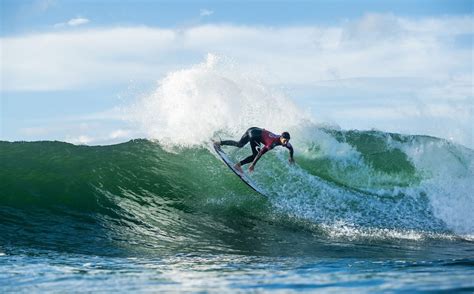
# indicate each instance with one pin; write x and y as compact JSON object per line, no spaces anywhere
{"x":270,"y":140}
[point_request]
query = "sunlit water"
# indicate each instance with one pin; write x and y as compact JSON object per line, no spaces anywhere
{"x":51,"y":271}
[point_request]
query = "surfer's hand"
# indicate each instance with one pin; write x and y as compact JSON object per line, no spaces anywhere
{"x":251,"y":167}
{"x":291,"y":160}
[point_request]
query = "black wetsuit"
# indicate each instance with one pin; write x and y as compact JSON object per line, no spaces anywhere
{"x":256,"y":137}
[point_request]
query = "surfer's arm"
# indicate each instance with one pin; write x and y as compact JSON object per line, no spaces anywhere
{"x":290,"y":148}
{"x":260,"y":153}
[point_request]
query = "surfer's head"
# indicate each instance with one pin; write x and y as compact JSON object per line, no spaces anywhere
{"x":284,"y":138}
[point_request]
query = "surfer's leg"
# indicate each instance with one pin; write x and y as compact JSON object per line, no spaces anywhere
{"x":250,"y":158}
{"x":247,"y":160}
{"x":244,"y":140}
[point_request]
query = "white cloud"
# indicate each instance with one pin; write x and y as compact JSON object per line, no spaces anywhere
{"x":74,"y":22}
{"x":119,"y":134}
{"x":71,"y":60}
{"x":205,"y":12}
{"x":382,"y":46}
{"x":80,"y":140}
{"x":77,"y":21}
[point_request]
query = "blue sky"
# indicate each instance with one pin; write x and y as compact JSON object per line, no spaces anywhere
{"x":32,"y":16}
{"x":67,"y":66}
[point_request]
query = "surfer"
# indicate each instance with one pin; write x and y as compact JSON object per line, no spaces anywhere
{"x":256,"y":137}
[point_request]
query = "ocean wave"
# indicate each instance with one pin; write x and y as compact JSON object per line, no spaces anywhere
{"x":140,"y":195}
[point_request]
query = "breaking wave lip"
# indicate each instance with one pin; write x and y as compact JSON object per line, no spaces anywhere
{"x":190,"y":106}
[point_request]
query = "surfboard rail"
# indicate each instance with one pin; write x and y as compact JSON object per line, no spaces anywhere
{"x":225,"y":158}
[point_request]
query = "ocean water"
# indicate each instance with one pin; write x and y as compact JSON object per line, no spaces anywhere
{"x":361,"y":211}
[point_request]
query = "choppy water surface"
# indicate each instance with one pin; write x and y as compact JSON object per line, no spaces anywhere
{"x":217,"y":273}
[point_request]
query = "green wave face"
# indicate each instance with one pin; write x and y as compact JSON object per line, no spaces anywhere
{"x":131,"y":196}
{"x":373,"y":161}
{"x":139,"y":197}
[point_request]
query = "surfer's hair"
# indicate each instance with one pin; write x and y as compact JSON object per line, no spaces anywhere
{"x":286,"y":135}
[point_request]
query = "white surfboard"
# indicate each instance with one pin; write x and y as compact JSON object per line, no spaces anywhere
{"x":230,"y":164}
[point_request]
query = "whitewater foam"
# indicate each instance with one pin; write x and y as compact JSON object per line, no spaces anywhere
{"x":190,"y":106}
{"x":449,"y":174}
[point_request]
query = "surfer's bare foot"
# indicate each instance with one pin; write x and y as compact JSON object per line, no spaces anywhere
{"x":251,"y":167}
{"x":238,"y":167}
